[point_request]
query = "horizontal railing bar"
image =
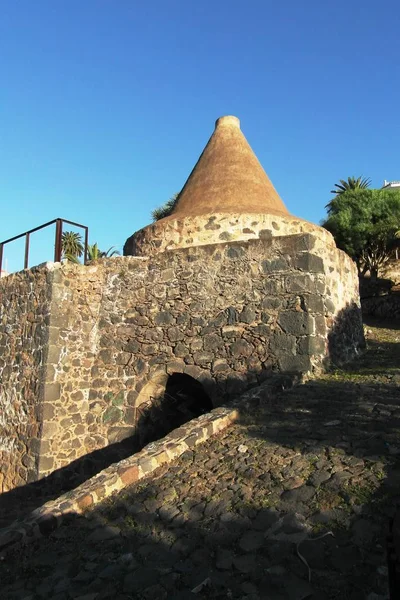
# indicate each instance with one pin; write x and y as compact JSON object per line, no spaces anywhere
{"x":30,"y":231}
{"x":72,"y":223}
{"x":16,"y":237}
{"x":58,"y":243}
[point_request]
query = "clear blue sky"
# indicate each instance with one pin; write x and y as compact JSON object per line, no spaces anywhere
{"x":106,"y":105}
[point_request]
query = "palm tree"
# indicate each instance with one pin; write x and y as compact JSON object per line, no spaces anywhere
{"x":95,"y":253}
{"x":352,"y":183}
{"x":166,"y":209}
{"x":72,"y":246}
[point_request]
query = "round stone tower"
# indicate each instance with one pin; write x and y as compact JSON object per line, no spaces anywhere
{"x":227,"y":197}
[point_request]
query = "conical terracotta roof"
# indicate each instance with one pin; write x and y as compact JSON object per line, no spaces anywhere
{"x":228,"y":178}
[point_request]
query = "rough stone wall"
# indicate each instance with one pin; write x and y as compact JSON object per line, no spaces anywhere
{"x":172,"y":233}
{"x":345,"y":334}
{"x":72,"y":349}
{"x":228,"y":315}
{"x":24,"y":317}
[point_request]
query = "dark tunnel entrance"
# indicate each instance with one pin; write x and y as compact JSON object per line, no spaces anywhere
{"x":183,"y":399}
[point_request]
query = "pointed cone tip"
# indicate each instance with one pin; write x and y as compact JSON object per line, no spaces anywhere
{"x":227,"y":121}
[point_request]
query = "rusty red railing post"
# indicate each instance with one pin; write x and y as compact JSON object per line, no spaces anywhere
{"x":58,"y":241}
{"x":1,"y":256}
{"x":26,"y":259}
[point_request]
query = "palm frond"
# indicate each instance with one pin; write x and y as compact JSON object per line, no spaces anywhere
{"x":166,"y":209}
{"x":352,"y":183}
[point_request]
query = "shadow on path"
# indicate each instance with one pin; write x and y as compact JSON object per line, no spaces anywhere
{"x":304,"y":484}
{"x":291,"y":503}
{"x":184,"y":399}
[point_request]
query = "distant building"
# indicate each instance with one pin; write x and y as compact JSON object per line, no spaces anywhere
{"x":391,"y":185}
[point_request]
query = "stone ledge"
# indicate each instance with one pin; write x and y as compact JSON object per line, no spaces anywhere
{"x":45,"y":519}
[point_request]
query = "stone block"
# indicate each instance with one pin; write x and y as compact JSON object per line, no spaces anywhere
{"x":32,"y":475}
{"x":329,"y":305}
{"x":84,"y":501}
{"x":301,"y":283}
{"x":220,"y":366}
{"x":47,"y":411}
{"x":107,"y":341}
{"x":193,"y":371}
{"x":320,"y":325}
{"x":29,"y":461}
{"x":241,"y":348}
{"x":192,"y":440}
{"x":132,"y":346}
{"x":129,"y":474}
{"x":291,"y":244}
{"x":61,"y":321}
{"x":212,"y":342}
{"x":232,"y":331}
{"x":167,"y":275}
{"x":297,"y":364}
{"x":46,"y":463}
{"x":183,"y":319}
{"x":247,"y":315}
{"x":140,"y":366}
{"x":180,"y":350}
{"x":164,"y":318}
{"x":106,"y":356}
{"x":271,"y":303}
{"x":313,"y":303}
{"x":175,"y":334}
{"x":311,"y":263}
{"x":274,"y":265}
{"x":54,"y":353}
{"x":147,"y":464}
{"x":77,"y":396}
{"x":112,"y":415}
{"x":220,"y":320}
{"x":131,"y":397}
{"x":140,"y":320}
{"x":265,"y":317}
{"x":175,"y":366}
{"x":49,"y":429}
{"x":272,"y":287}
{"x":149,"y":349}
{"x":311,"y":345}
{"x":296,"y":323}
{"x":261,"y":330}
{"x":159,"y":291}
{"x":283,"y":344}
{"x":203,"y":358}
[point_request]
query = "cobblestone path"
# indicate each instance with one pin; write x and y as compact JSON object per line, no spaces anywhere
{"x":291,"y":503}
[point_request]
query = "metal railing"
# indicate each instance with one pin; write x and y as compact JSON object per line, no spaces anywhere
{"x":57,"y":243}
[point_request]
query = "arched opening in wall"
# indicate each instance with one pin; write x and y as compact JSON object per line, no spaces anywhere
{"x":181,"y":399}
{"x":164,"y":403}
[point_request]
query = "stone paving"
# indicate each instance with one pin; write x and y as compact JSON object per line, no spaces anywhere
{"x":290,"y":503}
